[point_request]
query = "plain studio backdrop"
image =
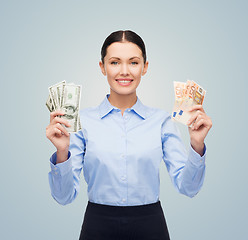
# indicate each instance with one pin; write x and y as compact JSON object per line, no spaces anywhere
{"x":45,"y":42}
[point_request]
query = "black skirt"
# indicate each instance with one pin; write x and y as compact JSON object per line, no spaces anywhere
{"x":105,"y":222}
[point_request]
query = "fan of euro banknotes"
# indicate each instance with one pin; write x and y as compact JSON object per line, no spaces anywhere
{"x":186,"y":95}
{"x":66,"y":97}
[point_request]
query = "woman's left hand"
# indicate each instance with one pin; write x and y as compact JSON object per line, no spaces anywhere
{"x":201,"y":124}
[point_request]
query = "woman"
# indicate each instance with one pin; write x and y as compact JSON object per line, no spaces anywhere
{"x":120,"y":147}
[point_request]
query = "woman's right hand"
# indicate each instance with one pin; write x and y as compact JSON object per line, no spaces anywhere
{"x":58,"y":135}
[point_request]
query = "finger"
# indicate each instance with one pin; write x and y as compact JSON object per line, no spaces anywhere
{"x":194,"y":116}
{"x":62,"y":129}
{"x":202,"y":120}
{"x":60,"y":120}
{"x":196,"y":107}
{"x":56,"y":113}
{"x":57,"y":132}
{"x":198,"y":123}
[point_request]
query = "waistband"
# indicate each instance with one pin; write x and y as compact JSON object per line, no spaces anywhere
{"x":125,"y":211}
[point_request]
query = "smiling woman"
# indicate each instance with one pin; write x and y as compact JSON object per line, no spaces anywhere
{"x":123,"y":62}
{"x":120,"y":147}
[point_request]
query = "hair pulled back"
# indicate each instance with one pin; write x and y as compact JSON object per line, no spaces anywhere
{"x":123,"y":36}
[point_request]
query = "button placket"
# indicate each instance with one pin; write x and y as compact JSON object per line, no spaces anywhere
{"x":123,"y":169}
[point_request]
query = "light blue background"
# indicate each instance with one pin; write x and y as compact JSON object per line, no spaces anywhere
{"x":45,"y":42}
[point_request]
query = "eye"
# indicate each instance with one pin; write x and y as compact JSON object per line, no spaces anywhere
{"x":114,"y":63}
{"x":134,"y":63}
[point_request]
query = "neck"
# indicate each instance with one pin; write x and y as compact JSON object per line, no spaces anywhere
{"x":122,"y":101}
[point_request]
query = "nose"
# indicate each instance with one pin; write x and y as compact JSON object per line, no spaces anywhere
{"x":124,"y":69}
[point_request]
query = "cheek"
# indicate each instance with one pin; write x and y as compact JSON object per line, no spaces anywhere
{"x":136,"y":72}
{"x":112,"y":71}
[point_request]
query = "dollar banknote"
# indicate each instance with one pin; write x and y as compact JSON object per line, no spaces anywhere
{"x":49,"y":104}
{"x":193,"y":94}
{"x":55,"y":93}
{"x":66,"y":97}
{"x":70,"y":103}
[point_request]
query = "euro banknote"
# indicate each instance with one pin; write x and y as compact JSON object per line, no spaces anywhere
{"x":179,"y":88}
{"x":191,"y":94}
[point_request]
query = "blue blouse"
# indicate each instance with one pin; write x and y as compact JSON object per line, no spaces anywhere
{"x":121,"y":155}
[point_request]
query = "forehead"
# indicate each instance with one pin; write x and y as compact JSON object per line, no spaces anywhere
{"x":123,"y":50}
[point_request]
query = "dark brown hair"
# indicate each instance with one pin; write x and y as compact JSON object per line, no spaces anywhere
{"x":123,"y":36}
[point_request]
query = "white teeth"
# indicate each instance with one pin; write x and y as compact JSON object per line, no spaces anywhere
{"x":124,"y":81}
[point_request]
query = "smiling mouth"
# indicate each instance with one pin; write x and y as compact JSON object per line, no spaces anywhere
{"x":124,"y":80}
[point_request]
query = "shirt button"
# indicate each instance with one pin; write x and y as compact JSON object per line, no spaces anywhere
{"x":123,"y":178}
{"x":123,"y":155}
{"x":129,"y":110}
{"x":123,"y":199}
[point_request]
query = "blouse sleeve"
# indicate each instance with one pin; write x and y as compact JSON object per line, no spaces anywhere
{"x":186,"y":170}
{"x":64,"y":177}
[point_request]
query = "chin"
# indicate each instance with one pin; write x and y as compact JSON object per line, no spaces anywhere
{"x":124,"y":91}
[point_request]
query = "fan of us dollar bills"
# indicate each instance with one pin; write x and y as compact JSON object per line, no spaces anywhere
{"x":66,"y":97}
{"x":186,"y":95}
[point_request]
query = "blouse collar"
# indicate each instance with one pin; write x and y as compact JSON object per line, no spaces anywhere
{"x":105,"y":108}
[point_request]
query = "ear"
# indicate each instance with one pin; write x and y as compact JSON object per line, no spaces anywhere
{"x":145,"y":68}
{"x":102,"y":68}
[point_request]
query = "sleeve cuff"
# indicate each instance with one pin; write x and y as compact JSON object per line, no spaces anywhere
{"x":60,"y":169}
{"x":195,"y":158}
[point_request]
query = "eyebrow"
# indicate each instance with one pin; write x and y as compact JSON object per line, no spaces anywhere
{"x":129,"y":58}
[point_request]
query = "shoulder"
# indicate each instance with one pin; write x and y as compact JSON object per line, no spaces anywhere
{"x":154,"y":112}
{"x":89,"y":112}
{"x":163,"y":118}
